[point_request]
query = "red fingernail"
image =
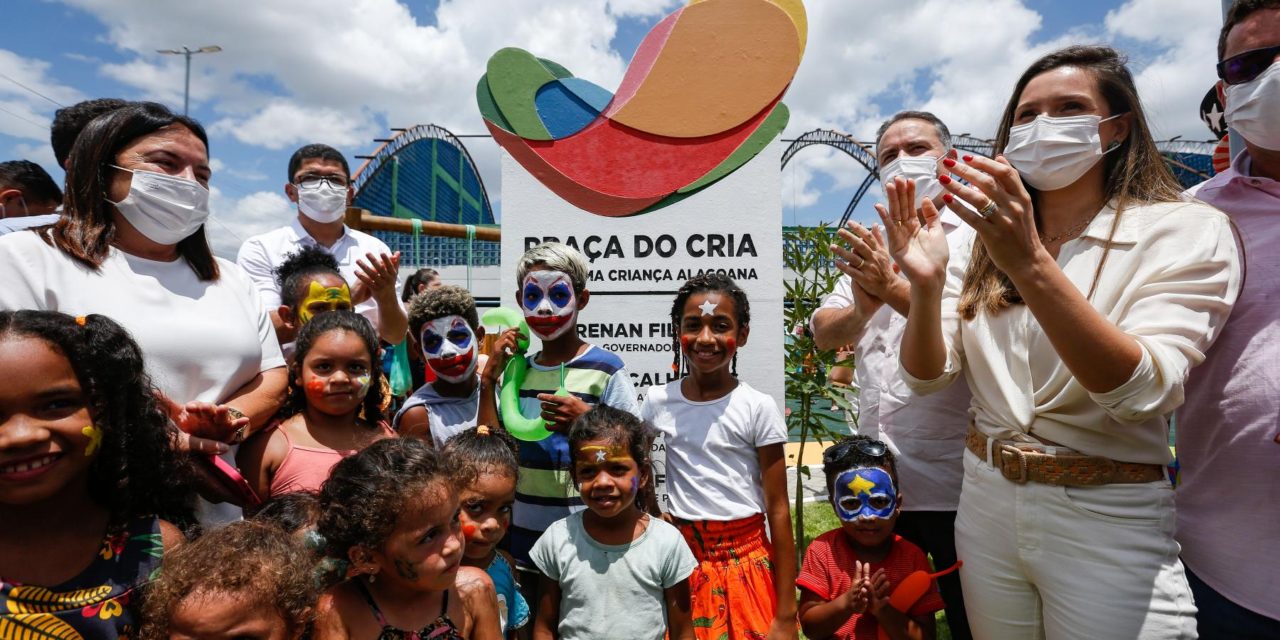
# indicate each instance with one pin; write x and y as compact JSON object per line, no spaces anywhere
{"x":948,"y":197}
{"x":949,"y":162}
{"x":944,"y":179}
{"x":968,"y":158}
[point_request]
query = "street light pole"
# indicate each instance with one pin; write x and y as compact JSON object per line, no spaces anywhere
{"x":187,"y":53}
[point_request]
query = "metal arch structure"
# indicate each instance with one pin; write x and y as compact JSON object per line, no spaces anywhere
{"x":864,"y":154}
{"x":425,"y":172}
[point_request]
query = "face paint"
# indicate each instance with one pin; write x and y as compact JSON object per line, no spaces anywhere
{"x":469,"y":530}
{"x":315,"y":386}
{"x":361,"y":384}
{"x":596,"y":454}
{"x":449,"y":346}
{"x":95,"y":440}
{"x":708,"y":306}
{"x":321,"y":299}
{"x":549,"y":303}
{"x":864,"y":492}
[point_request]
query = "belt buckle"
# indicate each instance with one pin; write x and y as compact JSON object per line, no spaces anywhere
{"x":1013,"y":459}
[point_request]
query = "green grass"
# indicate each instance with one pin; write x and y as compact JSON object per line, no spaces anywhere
{"x":819,"y":519}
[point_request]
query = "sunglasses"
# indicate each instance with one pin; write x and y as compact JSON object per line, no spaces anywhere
{"x":873,"y":448}
{"x":1242,"y":68}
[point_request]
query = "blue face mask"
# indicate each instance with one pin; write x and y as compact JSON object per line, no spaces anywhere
{"x":864,"y":492}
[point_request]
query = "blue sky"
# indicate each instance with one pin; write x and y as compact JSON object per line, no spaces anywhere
{"x":293,"y":72}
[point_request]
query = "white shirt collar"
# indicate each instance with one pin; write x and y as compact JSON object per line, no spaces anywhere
{"x":300,"y":234}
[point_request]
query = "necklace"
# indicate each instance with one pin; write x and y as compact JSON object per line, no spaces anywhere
{"x":1069,"y":232}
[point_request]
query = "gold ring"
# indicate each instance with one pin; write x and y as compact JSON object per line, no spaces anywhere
{"x":988,"y":209}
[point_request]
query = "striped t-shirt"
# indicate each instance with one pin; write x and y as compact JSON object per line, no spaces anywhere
{"x":545,"y":491}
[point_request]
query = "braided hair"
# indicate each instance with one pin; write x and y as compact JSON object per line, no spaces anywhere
{"x":136,"y":471}
{"x":704,"y":283}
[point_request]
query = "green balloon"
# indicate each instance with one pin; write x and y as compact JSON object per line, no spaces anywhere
{"x":527,"y":429}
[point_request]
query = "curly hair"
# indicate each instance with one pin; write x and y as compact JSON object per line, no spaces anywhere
{"x":256,"y":563}
{"x":298,"y":267}
{"x":371,"y":408}
{"x":137,"y":471}
{"x":485,"y":449}
{"x":440,"y":302}
{"x":617,"y":427}
{"x":702,"y":283}
{"x":365,"y":492}
{"x":291,"y":512}
{"x":847,"y":453}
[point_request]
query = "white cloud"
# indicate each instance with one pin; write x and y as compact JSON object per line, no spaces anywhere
{"x":28,"y":97}
{"x":1172,"y":84}
{"x":641,"y":8}
{"x":234,"y":220}
{"x":41,"y":154}
{"x":286,"y":124}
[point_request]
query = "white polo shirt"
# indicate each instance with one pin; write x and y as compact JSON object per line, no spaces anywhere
{"x":262,"y":254}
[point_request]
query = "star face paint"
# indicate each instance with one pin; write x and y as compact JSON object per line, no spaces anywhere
{"x":865,"y":492}
{"x":708,"y":307}
{"x":320,"y":299}
{"x":549,"y":303}
{"x":608,"y":477}
{"x":95,"y":440}
{"x":449,"y":347}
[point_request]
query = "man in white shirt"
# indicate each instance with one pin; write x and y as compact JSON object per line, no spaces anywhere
{"x":868,"y":309}
{"x":320,"y":185}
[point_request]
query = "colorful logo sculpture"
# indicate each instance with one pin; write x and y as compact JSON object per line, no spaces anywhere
{"x":701,"y":97}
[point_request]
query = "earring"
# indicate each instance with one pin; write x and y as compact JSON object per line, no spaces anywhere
{"x":373,"y":577}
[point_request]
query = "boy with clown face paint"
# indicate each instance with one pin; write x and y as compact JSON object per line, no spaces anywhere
{"x":551,"y":289}
{"x":444,"y":326}
{"x":849,"y":573}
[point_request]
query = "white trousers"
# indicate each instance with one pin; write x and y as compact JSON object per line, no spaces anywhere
{"x":1070,"y":562}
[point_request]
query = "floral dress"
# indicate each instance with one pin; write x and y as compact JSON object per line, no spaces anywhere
{"x":96,"y":604}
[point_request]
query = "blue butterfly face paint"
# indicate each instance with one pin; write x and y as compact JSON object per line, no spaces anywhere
{"x":864,"y":492}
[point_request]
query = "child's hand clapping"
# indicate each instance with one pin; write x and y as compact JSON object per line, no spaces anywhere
{"x":855,"y":600}
{"x":878,"y":591}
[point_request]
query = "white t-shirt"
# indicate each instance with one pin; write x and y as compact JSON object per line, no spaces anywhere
{"x":612,"y":591}
{"x":447,"y":416}
{"x":201,"y":341}
{"x":260,"y":256}
{"x":713,"y":472}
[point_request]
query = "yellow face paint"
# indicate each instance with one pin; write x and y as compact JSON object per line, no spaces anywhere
{"x":321,"y":299}
{"x":95,"y":439}
{"x":596,"y":454}
{"x":860,"y":485}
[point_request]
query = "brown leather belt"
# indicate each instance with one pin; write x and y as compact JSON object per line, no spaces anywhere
{"x":1065,"y":470}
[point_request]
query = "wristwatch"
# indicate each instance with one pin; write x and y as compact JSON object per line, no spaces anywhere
{"x":242,"y":431}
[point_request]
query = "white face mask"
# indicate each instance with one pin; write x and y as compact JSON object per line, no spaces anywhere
{"x":1253,"y":108}
{"x":923,"y":169}
{"x":164,"y":208}
{"x":322,"y":201}
{"x":1052,"y":153}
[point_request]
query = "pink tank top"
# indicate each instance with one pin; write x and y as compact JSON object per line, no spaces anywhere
{"x":306,"y":468}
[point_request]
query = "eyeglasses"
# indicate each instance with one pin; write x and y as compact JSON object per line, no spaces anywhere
{"x":873,"y":448}
{"x":1242,"y":68}
{"x":314,"y":182}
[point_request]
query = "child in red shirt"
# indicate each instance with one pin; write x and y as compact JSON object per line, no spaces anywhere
{"x":849,"y":573}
